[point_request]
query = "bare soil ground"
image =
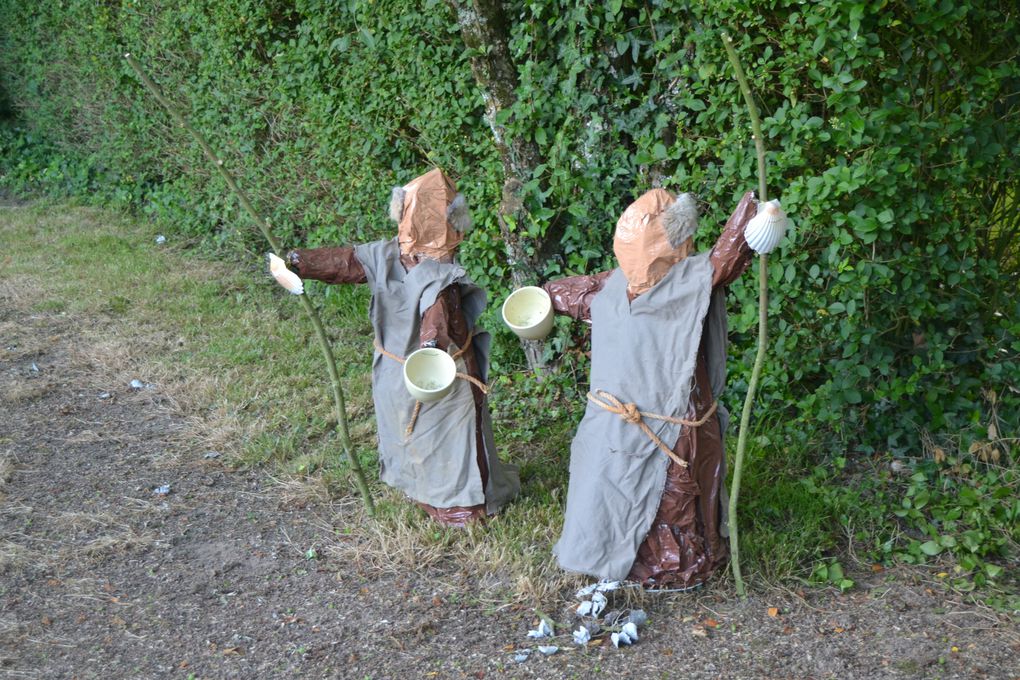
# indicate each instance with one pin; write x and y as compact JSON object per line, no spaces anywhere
{"x":231,"y":574}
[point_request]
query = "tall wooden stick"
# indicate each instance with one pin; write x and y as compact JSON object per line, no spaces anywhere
{"x":264,"y":227}
{"x":763,"y":303}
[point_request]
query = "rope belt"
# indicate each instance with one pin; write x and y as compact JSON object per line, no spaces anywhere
{"x":631,"y":414}
{"x":417,"y":404}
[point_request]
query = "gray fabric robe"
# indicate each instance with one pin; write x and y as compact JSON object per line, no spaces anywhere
{"x":641,"y":351}
{"x":437,"y":463}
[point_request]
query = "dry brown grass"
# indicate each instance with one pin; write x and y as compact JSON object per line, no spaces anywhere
{"x":11,"y":633}
{"x":122,"y":539}
{"x":299,"y":492}
{"x":7,"y":465}
{"x":17,"y":293}
{"x":15,"y":557}
{"x":207,"y":420}
{"x":15,"y":391}
{"x":83,"y":521}
{"x":509,"y":556}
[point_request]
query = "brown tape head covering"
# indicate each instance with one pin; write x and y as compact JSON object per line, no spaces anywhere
{"x":431,"y":217}
{"x":652,"y":235}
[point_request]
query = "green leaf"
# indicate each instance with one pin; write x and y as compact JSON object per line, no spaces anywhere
{"x":931,"y":548}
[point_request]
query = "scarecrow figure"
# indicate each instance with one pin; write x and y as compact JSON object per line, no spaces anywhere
{"x":441,"y":454}
{"x":646,"y":499}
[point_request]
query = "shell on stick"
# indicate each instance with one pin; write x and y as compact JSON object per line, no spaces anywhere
{"x":767,"y":228}
{"x":285,"y":277}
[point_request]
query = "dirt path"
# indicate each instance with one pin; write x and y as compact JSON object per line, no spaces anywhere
{"x":224,"y":575}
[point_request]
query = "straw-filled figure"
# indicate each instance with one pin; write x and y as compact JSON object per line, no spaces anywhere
{"x":646,"y":497}
{"x":431,"y":361}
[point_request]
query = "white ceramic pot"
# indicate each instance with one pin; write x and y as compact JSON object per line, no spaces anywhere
{"x":529,"y":313}
{"x":429,"y":374}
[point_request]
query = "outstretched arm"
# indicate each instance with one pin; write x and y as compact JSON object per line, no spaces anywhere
{"x":330,"y":265}
{"x":573,"y":295}
{"x":731,"y":256}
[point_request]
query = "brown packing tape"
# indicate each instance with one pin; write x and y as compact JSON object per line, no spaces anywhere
{"x":424,"y":230}
{"x":641,"y":245}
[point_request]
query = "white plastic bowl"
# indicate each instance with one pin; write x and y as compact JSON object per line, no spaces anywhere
{"x":429,"y":374}
{"x":528,"y":312}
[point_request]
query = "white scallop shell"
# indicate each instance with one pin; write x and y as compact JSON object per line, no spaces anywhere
{"x":285,"y":277}
{"x":767,"y":228}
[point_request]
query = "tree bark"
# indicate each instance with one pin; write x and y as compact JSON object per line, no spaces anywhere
{"x":483,"y":27}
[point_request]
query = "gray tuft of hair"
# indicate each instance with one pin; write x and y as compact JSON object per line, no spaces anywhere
{"x":397,"y":203}
{"x":681,"y":219}
{"x":458,"y":215}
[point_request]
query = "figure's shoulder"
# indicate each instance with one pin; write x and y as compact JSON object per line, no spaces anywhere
{"x":379,"y":258}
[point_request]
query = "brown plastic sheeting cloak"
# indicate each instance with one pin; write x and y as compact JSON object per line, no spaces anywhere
{"x":685,"y":544}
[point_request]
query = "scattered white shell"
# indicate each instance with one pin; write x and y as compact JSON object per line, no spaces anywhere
{"x":285,"y":277}
{"x":598,"y":603}
{"x":584,"y":609}
{"x":581,"y":636}
{"x":542,"y":631}
{"x":548,"y":650}
{"x":600,"y":586}
{"x":627,"y":636}
{"x":160,"y":240}
{"x":161,"y":490}
{"x":767,"y":228}
{"x":137,"y":384}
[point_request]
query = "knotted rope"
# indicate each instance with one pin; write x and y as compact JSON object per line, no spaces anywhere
{"x":630,"y":413}
{"x":417,"y":404}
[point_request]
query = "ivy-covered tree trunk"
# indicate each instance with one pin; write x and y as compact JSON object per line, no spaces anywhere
{"x":484,"y":30}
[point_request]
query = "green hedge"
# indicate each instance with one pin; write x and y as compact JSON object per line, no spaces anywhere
{"x":893,"y":135}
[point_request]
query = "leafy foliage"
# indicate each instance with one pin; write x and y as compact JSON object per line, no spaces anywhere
{"x":893,"y":133}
